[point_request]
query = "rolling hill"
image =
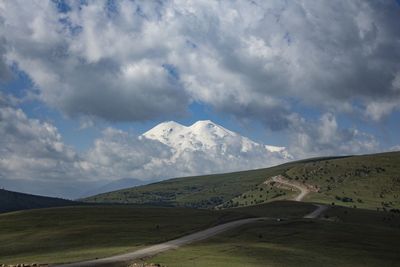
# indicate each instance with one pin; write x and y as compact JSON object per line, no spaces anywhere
{"x":13,"y":201}
{"x":68,"y":234}
{"x":367,"y":181}
{"x":205,"y":191}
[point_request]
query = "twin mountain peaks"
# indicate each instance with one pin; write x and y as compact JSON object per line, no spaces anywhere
{"x":205,"y":135}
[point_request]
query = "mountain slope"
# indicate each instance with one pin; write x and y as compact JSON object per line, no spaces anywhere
{"x":368,"y":181}
{"x":13,"y":201}
{"x":115,"y":185}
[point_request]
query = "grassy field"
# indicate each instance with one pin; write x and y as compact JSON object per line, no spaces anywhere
{"x":77,"y":233}
{"x":347,"y":237}
{"x":85,"y":232}
{"x":370,"y":181}
{"x":276,"y":209}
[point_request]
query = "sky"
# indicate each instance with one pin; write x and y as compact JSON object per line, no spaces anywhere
{"x":81,"y":80}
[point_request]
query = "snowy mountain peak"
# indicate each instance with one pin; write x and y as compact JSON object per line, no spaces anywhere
{"x":208,"y":137}
{"x":168,"y":125}
{"x":208,"y":127}
{"x":203,"y":122}
{"x":164,"y":130}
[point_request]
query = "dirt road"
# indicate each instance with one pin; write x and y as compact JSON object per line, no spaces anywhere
{"x":152,"y":250}
{"x":304,"y":189}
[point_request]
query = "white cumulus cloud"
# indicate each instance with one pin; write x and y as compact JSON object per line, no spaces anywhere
{"x":325,"y":138}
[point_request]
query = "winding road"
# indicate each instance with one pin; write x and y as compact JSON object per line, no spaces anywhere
{"x":176,"y":243}
{"x":304,"y":189}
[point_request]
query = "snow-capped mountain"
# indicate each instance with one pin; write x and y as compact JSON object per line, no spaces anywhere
{"x":174,"y":150}
{"x":207,"y":136}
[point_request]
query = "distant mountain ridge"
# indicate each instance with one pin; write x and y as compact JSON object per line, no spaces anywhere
{"x":13,"y":201}
{"x":115,"y":185}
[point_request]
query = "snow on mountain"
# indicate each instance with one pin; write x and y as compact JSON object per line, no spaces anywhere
{"x":174,"y":150}
{"x":207,"y":136}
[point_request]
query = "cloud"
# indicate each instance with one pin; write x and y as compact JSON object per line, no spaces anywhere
{"x":325,"y":138}
{"x":5,"y":73}
{"x":84,"y":63}
{"x":377,"y":110}
{"x":136,"y":61}
{"x":28,"y":145}
{"x":34,"y":159}
{"x":395,"y":148}
{"x":118,"y":154}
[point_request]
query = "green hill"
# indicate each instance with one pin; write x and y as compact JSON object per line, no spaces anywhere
{"x":368,"y":181}
{"x":13,"y":201}
{"x":68,"y":234}
{"x":205,"y":191}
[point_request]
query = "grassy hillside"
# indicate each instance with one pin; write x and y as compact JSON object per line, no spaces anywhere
{"x":370,"y":181}
{"x":85,"y":232}
{"x":205,"y":191}
{"x":347,"y":237}
{"x":77,"y":233}
{"x":12,"y":201}
{"x":258,"y":194}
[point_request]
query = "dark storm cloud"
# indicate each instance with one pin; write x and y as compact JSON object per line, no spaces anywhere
{"x":97,"y":71}
{"x":5,"y":73}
